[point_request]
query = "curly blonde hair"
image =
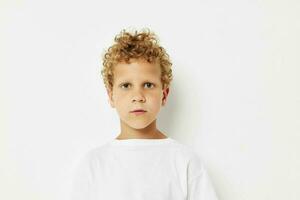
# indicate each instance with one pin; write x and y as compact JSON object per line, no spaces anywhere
{"x":144,"y":45}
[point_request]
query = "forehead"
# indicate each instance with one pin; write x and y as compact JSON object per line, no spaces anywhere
{"x":137,"y":69}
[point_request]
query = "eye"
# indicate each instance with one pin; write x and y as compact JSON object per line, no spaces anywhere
{"x":149,"y":84}
{"x":125,"y":84}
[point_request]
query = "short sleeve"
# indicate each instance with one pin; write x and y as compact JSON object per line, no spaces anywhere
{"x":200,"y":186}
{"x":82,"y":184}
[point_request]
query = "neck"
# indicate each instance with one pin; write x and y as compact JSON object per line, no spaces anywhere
{"x":149,"y":132}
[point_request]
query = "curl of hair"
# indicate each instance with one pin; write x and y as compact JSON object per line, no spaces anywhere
{"x":137,"y":45}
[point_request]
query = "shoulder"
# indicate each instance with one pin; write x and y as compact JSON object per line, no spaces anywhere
{"x":185,"y":149}
{"x":92,"y":156}
{"x":192,"y":157}
{"x":194,"y":162}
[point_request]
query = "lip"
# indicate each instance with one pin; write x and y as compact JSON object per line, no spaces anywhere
{"x":138,"y":111}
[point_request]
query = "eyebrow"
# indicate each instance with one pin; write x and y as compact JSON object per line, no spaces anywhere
{"x":146,"y":81}
{"x":125,"y":81}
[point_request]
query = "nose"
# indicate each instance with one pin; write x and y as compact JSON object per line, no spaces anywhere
{"x":138,"y":96}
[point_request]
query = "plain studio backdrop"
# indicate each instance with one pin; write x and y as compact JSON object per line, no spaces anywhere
{"x":235,"y":97}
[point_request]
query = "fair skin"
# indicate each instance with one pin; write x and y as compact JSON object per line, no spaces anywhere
{"x":138,"y":86}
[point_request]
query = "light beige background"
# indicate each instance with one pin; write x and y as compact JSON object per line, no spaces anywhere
{"x":235,"y":96}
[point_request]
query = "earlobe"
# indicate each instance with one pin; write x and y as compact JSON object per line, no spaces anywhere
{"x":165,"y":94}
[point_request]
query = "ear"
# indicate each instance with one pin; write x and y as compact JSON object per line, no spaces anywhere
{"x":165,"y":95}
{"x":110,"y":97}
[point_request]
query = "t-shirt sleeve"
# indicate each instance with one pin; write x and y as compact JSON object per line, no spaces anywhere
{"x":83,"y":184}
{"x":200,"y":186}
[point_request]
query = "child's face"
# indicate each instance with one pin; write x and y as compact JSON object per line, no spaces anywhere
{"x":137,"y":86}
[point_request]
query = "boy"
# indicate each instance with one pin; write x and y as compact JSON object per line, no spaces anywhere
{"x":141,"y":163}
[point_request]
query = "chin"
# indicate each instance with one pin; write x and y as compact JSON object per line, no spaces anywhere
{"x":139,"y":125}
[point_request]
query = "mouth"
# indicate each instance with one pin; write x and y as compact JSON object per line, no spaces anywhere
{"x":138,"y":111}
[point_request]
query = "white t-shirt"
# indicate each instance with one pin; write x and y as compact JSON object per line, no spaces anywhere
{"x":141,"y":169}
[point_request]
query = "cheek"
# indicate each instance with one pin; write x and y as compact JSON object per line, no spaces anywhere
{"x":120,"y":101}
{"x":155,"y":101}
